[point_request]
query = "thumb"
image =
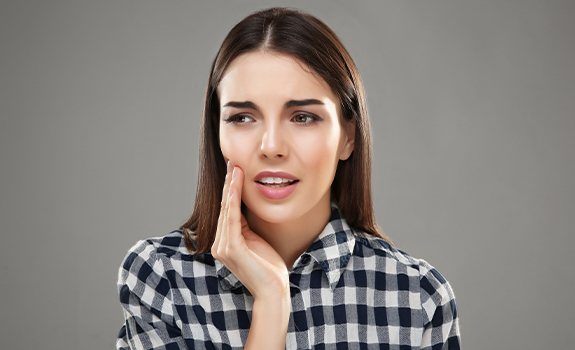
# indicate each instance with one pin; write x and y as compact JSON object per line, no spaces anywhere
{"x":243,"y":221}
{"x":248,"y":233}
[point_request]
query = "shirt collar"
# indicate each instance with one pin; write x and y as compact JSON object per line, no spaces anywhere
{"x":332,"y":250}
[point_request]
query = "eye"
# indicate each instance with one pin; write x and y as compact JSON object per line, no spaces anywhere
{"x":313,"y":119}
{"x":235,"y":119}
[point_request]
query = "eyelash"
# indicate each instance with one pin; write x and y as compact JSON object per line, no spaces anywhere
{"x":234,"y":118}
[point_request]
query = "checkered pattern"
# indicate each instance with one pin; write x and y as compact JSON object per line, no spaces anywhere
{"x":349,"y":290}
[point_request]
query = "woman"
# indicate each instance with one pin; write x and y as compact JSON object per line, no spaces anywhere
{"x":282,"y":249}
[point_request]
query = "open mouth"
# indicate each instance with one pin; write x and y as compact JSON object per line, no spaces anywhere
{"x":283,"y":184}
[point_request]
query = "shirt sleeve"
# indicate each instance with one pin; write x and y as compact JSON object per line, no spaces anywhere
{"x":146,"y":300}
{"x":441,"y":321}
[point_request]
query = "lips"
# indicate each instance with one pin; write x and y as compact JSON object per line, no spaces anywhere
{"x":281,"y":174}
{"x":276,"y":192}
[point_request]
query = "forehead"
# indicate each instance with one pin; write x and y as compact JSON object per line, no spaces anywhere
{"x":271,"y":76}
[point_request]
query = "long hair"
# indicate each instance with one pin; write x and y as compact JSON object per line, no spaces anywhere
{"x":298,"y":34}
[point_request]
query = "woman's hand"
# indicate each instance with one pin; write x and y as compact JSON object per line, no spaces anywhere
{"x":248,"y":256}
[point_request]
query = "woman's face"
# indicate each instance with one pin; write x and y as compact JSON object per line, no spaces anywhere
{"x":306,"y":141}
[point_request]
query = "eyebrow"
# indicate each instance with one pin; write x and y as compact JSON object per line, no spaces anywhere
{"x":288,"y":104}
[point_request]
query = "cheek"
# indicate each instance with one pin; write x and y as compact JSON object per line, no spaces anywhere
{"x":234,"y":145}
{"x":318,"y":154}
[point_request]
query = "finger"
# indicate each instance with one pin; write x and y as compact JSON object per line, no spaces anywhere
{"x":222,"y":204}
{"x":225,"y":224}
{"x":227,"y":181}
{"x":246,"y":231}
{"x":234,"y":211}
{"x":243,"y":221}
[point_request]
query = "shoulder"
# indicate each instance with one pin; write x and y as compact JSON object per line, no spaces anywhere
{"x":155,"y":247}
{"x":435,"y":290}
{"x":146,"y":260}
{"x":399,"y":259}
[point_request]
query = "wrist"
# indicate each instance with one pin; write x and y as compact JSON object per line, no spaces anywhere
{"x":274,"y":293}
{"x":273,"y":299}
{"x":276,"y":308}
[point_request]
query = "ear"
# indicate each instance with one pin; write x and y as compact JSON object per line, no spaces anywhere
{"x":349,"y":137}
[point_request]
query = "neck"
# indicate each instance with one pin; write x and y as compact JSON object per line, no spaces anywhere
{"x":291,"y":238}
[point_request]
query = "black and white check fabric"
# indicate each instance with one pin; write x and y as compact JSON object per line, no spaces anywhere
{"x":349,"y":290}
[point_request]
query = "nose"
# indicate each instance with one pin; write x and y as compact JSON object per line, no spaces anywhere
{"x":273,"y":144}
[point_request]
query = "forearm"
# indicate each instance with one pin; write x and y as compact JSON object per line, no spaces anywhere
{"x":268,"y":329}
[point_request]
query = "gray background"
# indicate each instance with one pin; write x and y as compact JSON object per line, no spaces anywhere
{"x":473,"y":111}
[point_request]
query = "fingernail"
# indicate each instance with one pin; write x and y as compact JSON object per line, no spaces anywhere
{"x":234,"y":173}
{"x":229,"y":167}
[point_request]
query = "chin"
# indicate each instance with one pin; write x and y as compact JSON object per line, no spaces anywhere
{"x":271,"y":212}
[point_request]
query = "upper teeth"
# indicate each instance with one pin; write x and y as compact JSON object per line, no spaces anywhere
{"x":274,"y":180}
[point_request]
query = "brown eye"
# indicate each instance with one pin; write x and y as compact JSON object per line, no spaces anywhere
{"x":309,"y":117}
{"x":236,"y":119}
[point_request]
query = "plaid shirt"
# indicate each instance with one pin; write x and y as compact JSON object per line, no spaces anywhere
{"x":349,"y":290}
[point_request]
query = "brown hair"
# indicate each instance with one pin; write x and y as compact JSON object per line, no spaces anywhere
{"x":288,"y":31}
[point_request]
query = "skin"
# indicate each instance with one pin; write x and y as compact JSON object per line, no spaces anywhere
{"x":274,"y":233}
